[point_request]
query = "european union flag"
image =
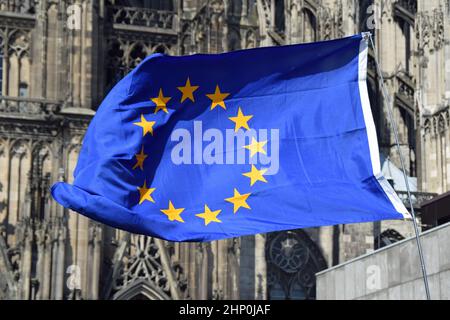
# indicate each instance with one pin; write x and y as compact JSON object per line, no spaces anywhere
{"x":205,"y":147}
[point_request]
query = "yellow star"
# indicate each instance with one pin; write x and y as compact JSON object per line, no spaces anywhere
{"x":147,"y":126}
{"x":241,"y":120}
{"x":172,"y":213}
{"x":145,"y":193}
{"x":209,"y":216}
{"x":256,"y":175}
{"x":239,"y":200}
{"x":217,"y":98}
{"x":256,"y":147}
{"x":188,"y":91}
{"x":140,"y":157}
{"x":161,"y":102}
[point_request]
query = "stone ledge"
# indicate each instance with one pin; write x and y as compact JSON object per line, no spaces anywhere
{"x":77,"y":111}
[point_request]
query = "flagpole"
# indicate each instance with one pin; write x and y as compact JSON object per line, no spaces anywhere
{"x":368,"y":36}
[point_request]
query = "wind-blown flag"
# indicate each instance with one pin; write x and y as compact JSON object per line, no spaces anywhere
{"x":206,"y":147}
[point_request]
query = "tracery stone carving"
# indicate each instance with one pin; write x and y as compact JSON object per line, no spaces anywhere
{"x":340,"y":20}
{"x":438,"y":28}
{"x":19,"y":43}
{"x":217,"y":28}
{"x":325,"y":23}
{"x":408,"y":5}
{"x":437,"y":123}
{"x":142,"y":17}
{"x":142,"y":261}
{"x":423,"y":31}
{"x":386,"y":9}
{"x":95,"y":234}
{"x":19,"y":149}
{"x":405,"y":92}
{"x":292,"y":262}
{"x":75,"y":143}
{"x":429,"y":30}
{"x":250,"y":39}
{"x":125,"y":53}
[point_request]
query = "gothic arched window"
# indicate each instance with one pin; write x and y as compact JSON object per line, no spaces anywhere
{"x":137,"y":53}
{"x":366,"y":15}
{"x":166,"y":5}
{"x":405,"y":11}
{"x":309,"y":26}
{"x":116,"y":68}
{"x":160,"y":48}
{"x":18,"y":61}
{"x":293,"y":259}
{"x":407,"y":30}
{"x":23,"y":89}
{"x":279,"y":16}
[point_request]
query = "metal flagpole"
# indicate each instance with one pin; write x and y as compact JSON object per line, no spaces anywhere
{"x":388,"y":100}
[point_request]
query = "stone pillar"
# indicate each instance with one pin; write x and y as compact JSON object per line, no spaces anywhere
{"x":326,"y":243}
{"x":59,"y":272}
{"x":95,"y":240}
{"x":247,"y":262}
{"x":26,"y":261}
{"x":260,"y":267}
{"x":84,"y":50}
{"x":46,"y":281}
{"x":204,"y":284}
{"x":167,"y":267}
{"x":217,"y":290}
{"x":38,"y":52}
{"x":40,"y":243}
{"x":234,"y":271}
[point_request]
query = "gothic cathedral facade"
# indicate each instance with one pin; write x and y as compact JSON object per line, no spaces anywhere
{"x":58,"y":60}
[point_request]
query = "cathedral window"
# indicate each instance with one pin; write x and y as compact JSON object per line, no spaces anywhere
{"x":137,"y":54}
{"x":366,"y":16}
{"x":117,"y":66}
{"x":409,"y":134}
{"x":293,"y":259}
{"x":23,"y":90}
{"x":17,"y":63}
{"x":406,"y":31}
{"x":279,"y":17}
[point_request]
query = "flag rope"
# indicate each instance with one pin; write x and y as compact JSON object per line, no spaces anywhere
{"x":388,"y":100}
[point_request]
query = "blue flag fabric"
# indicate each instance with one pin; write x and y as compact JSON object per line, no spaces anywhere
{"x":206,"y":147}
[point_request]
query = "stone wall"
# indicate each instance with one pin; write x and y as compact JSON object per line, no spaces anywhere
{"x":392,"y":272}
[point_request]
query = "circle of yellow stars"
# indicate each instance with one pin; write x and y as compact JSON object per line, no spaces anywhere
{"x":241,"y":121}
